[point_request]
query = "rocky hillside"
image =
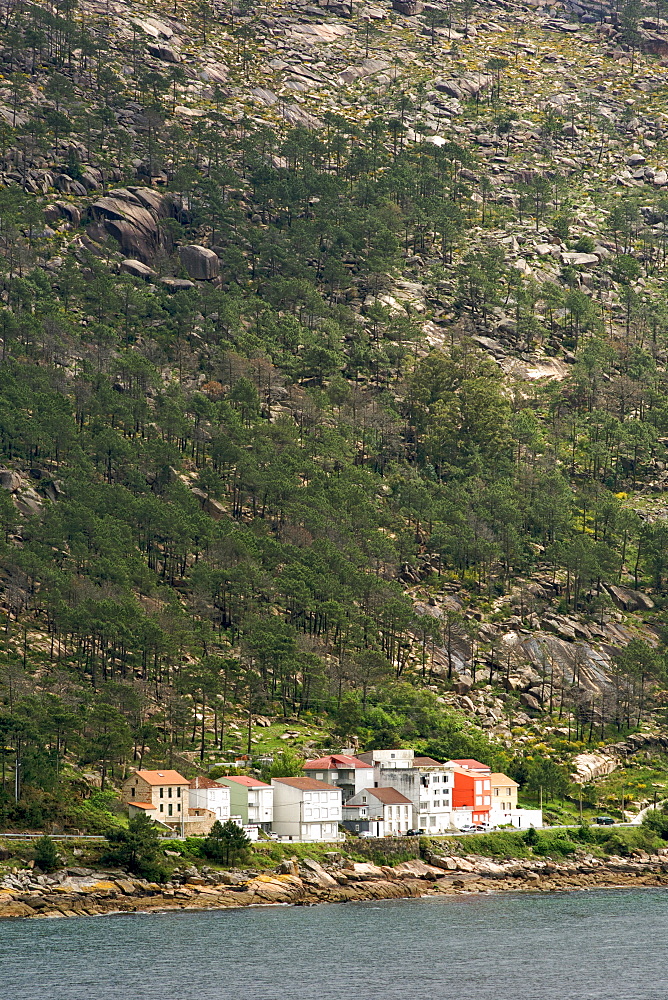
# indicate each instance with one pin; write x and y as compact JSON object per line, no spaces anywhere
{"x":334,"y":381}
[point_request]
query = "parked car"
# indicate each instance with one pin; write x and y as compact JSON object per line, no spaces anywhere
{"x":415,"y":833}
{"x":604,"y":820}
{"x":468,"y":828}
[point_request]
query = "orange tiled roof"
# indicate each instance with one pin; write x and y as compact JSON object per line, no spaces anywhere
{"x":162,"y":777}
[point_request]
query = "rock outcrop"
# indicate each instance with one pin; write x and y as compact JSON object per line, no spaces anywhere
{"x":83,"y":892}
{"x":132,"y":216}
{"x":200,"y":263}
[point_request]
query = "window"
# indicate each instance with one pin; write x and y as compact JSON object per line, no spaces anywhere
{"x":178,"y":792}
{"x":437,"y":804}
{"x":478,"y":800}
{"x":432,"y":821}
{"x":320,"y":776}
{"x":169,"y":792}
{"x":357,"y":826}
{"x":488,"y":800}
{"x":178,"y":808}
{"x":132,"y":793}
{"x":162,"y":793}
{"x":170,"y":808}
{"x":445,"y":779}
{"x":478,"y":786}
{"x":496,"y":791}
{"x":392,"y":756}
{"x":162,"y":808}
{"x":335,"y":774}
{"x":364,"y":798}
{"x":436,"y":779}
{"x":487,"y":785}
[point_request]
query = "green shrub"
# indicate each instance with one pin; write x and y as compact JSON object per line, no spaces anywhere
{"x":46,"y":856}
{"x":502,"y":844}
{"x":555,"y":845}
{"x":584,"y":244}
{"x":585,"y":834}
{"x":530,"y":837}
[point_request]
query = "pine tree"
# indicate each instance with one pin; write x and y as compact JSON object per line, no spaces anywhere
{"x":225,"y":842}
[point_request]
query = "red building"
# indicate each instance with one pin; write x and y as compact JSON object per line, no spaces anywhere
{"x":472,"y":789}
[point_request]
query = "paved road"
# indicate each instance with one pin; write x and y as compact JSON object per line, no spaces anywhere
{"x":54,"y":836}
{"x":643,"y":812}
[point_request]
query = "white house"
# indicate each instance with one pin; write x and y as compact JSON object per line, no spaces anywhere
{"x":251,"y":801}
{"x":505,"y":811}
{"x":203,"y":793}
{"x":425,"y":782}
{"x":347,"y":773}
{"x":378,"y":812}
{"x":436,"y":784}
{"x":306,"y":809}
{"x":392,"y":759}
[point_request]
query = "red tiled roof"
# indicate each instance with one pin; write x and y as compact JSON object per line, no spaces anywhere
{"x":472,"y":765}
{"x":243,"y":779}
{"x":201,"y":782}
{"x":426,"y":762}
{"x":142,"y":805}
{"x":306,"y":784}
{"x":334,"y":762}
{"x":388,"y":796}
{"x":162,"y":777}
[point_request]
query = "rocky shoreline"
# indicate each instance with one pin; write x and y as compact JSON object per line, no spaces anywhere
{"x":76,"y":892}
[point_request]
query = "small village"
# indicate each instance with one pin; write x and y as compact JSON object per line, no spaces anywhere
{"x":376,"y":794}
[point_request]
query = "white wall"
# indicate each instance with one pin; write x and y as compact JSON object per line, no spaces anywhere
{"x":363,"y":778}
{"x":306,"y":814}
{"x":435,"y":807}
{"x":521,"y":819}
{"x":215,"y":799}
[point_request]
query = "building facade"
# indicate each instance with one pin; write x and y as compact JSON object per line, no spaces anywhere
{"x":436,"y":785}
{"x":472,"y":793}
{"x":306,"y":809}
{"x":251,"y":801}
{"x":164,"y":796}
{"x":426,"y":782}
{"x":203,"y":793}
{"x":378,"y":812}
{"x":347,"y":773}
